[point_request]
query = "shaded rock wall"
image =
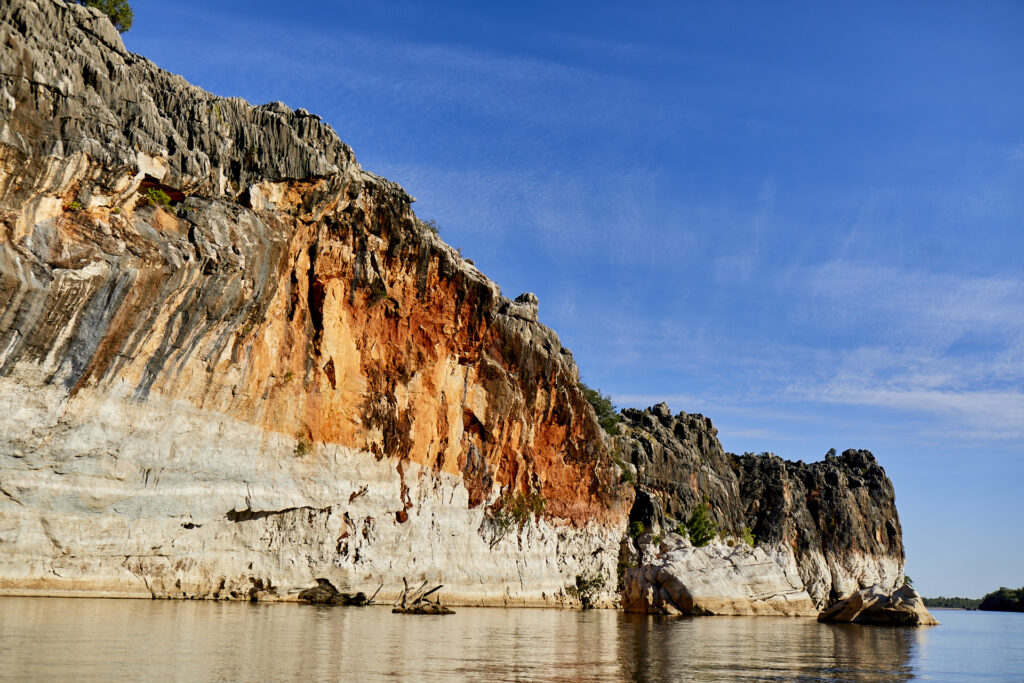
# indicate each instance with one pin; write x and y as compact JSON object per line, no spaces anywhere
{"x":283,"y":376}
{"x":836,"y":519}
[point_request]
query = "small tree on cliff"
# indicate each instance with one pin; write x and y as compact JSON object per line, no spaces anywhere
{"x":603,"y":408}
{"x":119,"y":11}
{"x":700,"y":526}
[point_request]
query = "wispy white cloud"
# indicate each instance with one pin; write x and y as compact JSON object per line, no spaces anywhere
{"x":946,"y":353}
{"x":965,"y":414}
{"x":951,"y":347}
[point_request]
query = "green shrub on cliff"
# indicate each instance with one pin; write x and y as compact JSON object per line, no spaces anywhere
{"x":586,"y":588}
{"x":522,"y":505}
{"x":514,"y":510}
{"x":603,"y":407}
{"x":700,"y":526}
{"x":157,"y":197}
{"x":747,"y":536}
{"x":119,"y":11}
{"x":626,"y":474}
{"x":303,"y":446}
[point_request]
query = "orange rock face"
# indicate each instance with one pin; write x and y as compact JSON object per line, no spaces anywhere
{"x":349,"y":324}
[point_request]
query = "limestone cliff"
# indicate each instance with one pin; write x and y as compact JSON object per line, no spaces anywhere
{"x":278,"y":375}
{"x":834,"y":522}
{"x":232,"y":362}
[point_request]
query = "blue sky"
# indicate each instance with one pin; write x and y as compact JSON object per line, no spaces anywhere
{"x":805,"y":220}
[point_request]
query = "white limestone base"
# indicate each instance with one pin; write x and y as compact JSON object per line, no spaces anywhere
{"x":101,"y":495}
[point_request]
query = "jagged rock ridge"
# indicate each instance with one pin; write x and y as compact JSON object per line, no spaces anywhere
{"x":280,"y":377}
{"x":835,"y":521}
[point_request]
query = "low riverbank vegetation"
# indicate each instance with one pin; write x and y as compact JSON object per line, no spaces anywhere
{"x":952,"y":603}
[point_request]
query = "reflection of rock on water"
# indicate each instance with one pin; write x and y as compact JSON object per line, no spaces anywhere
{"x":729,"y":648}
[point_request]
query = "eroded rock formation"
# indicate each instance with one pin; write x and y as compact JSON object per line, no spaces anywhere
{"x":834,"y":521}
{"x":719,"y":578}
{"x":278,"y":375}
{"x":874,"y":606}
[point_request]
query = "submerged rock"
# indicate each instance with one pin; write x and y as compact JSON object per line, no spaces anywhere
{"x":873,"y":605}
{"x":717,"y":579}
{"x":324,"y":593}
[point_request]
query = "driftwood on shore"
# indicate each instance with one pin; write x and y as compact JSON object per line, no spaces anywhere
{"x":417,"y":603}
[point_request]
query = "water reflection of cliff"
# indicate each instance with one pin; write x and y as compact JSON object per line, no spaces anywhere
{"x":117,"y":639}
{"x":736,"y":648}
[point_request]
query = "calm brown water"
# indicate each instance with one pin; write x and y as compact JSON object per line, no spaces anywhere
{"x":66,"y":639}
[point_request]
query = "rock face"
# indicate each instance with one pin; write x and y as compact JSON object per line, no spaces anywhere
{"x":835,"y":521}
{"x":874,"y":606}
{"x":280,"y":376}
{"x":715,"y":579}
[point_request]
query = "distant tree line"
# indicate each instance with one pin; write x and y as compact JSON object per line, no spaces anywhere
{"x":1004,"y":600}
{"x":954,"y":603}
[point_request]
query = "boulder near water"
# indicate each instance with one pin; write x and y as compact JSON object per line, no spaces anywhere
{"x":904,"y":607}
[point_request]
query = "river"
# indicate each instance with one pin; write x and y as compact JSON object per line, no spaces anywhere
{"x":101,"y":640}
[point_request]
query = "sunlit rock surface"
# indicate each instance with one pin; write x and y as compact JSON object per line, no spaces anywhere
{"x":874,"y":606}
{"x":281,"y":376}
{"x":717,"y":579}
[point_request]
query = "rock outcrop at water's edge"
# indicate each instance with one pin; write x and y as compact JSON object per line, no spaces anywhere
{"x":280,"y":376}
{"x":718,"y":578}
{"x":873,"y":606}
{"x":834,"y":522}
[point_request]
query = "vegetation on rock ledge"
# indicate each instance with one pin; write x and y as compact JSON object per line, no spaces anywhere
{"x":157,"y":197}
{"x":700,"y":527}
{"x":586,"y":588}
{"x":119,"y":11}
{"x":602,"y":404}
